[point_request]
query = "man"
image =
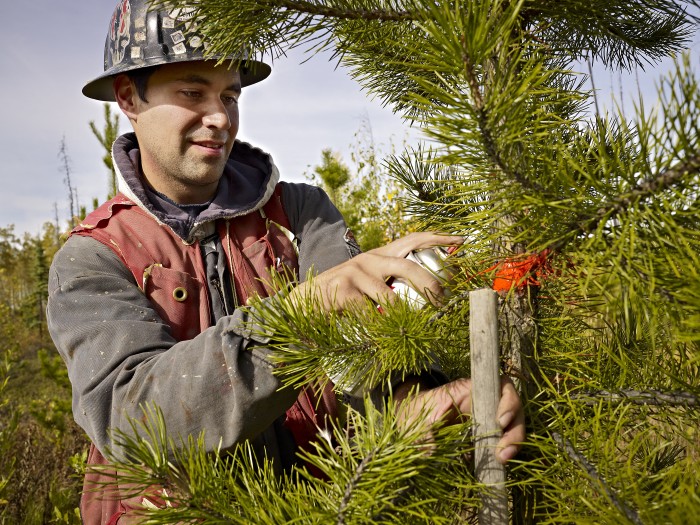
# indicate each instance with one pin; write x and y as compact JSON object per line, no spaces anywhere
{"x":144,"y":295}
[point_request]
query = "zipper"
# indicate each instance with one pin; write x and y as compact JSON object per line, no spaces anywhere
{"x":218,"y":275}
{"x":216,"y":283}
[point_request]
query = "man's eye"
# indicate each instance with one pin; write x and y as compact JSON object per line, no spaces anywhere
{"x":229,"y":100}
{"x":191,"y":94}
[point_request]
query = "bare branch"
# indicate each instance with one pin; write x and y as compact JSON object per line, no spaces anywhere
{"x":578,"y":458}
{"x":647,"y":188}
{"x":640,"y":397}
{"x":352,"y":484}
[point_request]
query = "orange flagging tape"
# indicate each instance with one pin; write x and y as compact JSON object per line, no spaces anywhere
{"x":520,"y":272}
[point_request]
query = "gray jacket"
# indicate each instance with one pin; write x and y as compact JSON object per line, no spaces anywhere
{"x":119,"y":353}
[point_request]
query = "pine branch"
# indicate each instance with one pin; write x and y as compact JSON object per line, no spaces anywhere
{"x":361,"y":345}
{"x":352,"y":484}
{"x":639,"y":397}
{"x":492,"y":84}
{"x":587,"y":223}
{"x":483,"y":120}
{"x":578,"y":458}
{"x":402,"y":495}
{"x":326,"y":11}
{"x":621,"y":34}
{"x":649,"y":188}
{"x":271,"y":27}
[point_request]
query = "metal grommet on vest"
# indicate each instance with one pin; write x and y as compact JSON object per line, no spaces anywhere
{"x":180,"y":294}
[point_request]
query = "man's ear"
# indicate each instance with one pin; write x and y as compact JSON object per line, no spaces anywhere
{"x":126,"y":96}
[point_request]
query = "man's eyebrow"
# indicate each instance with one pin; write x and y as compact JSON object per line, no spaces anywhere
{"x":198,"y":79}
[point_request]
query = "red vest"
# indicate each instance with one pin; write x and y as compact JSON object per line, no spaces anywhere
{"x":171,"y":273}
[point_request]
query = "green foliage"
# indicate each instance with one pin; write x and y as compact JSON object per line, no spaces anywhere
{"x":51,"y":414}
{"x":62,"y":497}
{"x":52,"y":367}
{"x":45,"y":485}
{"x":369,"y":199}
{"x":63,"y":511}
{"x":382,"y":473}
{"x":106,"y":138}
{"x":24,"y":272}
{"x":363,"y":342}
{"x":42,"y":452}
{"x":333,"y":174}
{"x":37,"y":433}
{"x":8,"y":421}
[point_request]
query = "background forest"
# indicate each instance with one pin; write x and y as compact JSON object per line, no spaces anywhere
{"x":41,"y":448}
{"x":586,"y":221}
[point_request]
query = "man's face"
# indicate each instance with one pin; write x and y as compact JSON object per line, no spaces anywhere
{"x":187,"y":128}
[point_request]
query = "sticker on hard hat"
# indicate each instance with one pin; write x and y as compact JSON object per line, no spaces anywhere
{"x":177,"y":37}
{"x":120,"y":32}
{"x":182,"y":13}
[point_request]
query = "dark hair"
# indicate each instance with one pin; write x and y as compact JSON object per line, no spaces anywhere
{"x":140,"y":78}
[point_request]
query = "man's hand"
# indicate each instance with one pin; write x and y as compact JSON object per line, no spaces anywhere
{"x":366,"y":275}
{"x":452,"y":402}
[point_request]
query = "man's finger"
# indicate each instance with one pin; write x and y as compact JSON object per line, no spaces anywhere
{"x":513,"y":436}
{"x":509,"y":405}
{"x":415,"y":241}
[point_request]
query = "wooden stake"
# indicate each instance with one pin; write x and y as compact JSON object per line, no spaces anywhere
{"x":486,"y":393}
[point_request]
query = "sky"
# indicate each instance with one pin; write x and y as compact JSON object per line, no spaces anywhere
{"x":51,"y":49}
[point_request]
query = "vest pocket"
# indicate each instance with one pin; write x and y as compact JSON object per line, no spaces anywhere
{"x":176,"y":296}
{"x":272,"y":251}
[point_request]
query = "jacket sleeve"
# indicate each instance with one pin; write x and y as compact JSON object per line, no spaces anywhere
{"x":323,"y":237}
{"x":120,"y":355}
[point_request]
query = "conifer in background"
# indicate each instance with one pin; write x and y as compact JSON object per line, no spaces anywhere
{"x":588,"y":225}
{"x":106,"y":138}
{"x":371,"y":202}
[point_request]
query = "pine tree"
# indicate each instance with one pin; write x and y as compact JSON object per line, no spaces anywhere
{"x":370,"y":200}
{"x":333,"y":173}
{"x":106,"y":138}
{"x":41,"y":276}
{"x":586,"y":224}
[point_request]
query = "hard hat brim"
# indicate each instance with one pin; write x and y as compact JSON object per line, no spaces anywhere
{"x":101,"y":88}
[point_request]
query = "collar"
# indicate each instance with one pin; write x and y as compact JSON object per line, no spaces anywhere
{"x":249,"y":178}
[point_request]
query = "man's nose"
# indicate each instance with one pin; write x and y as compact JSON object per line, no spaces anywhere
{"x":217,"y":116}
